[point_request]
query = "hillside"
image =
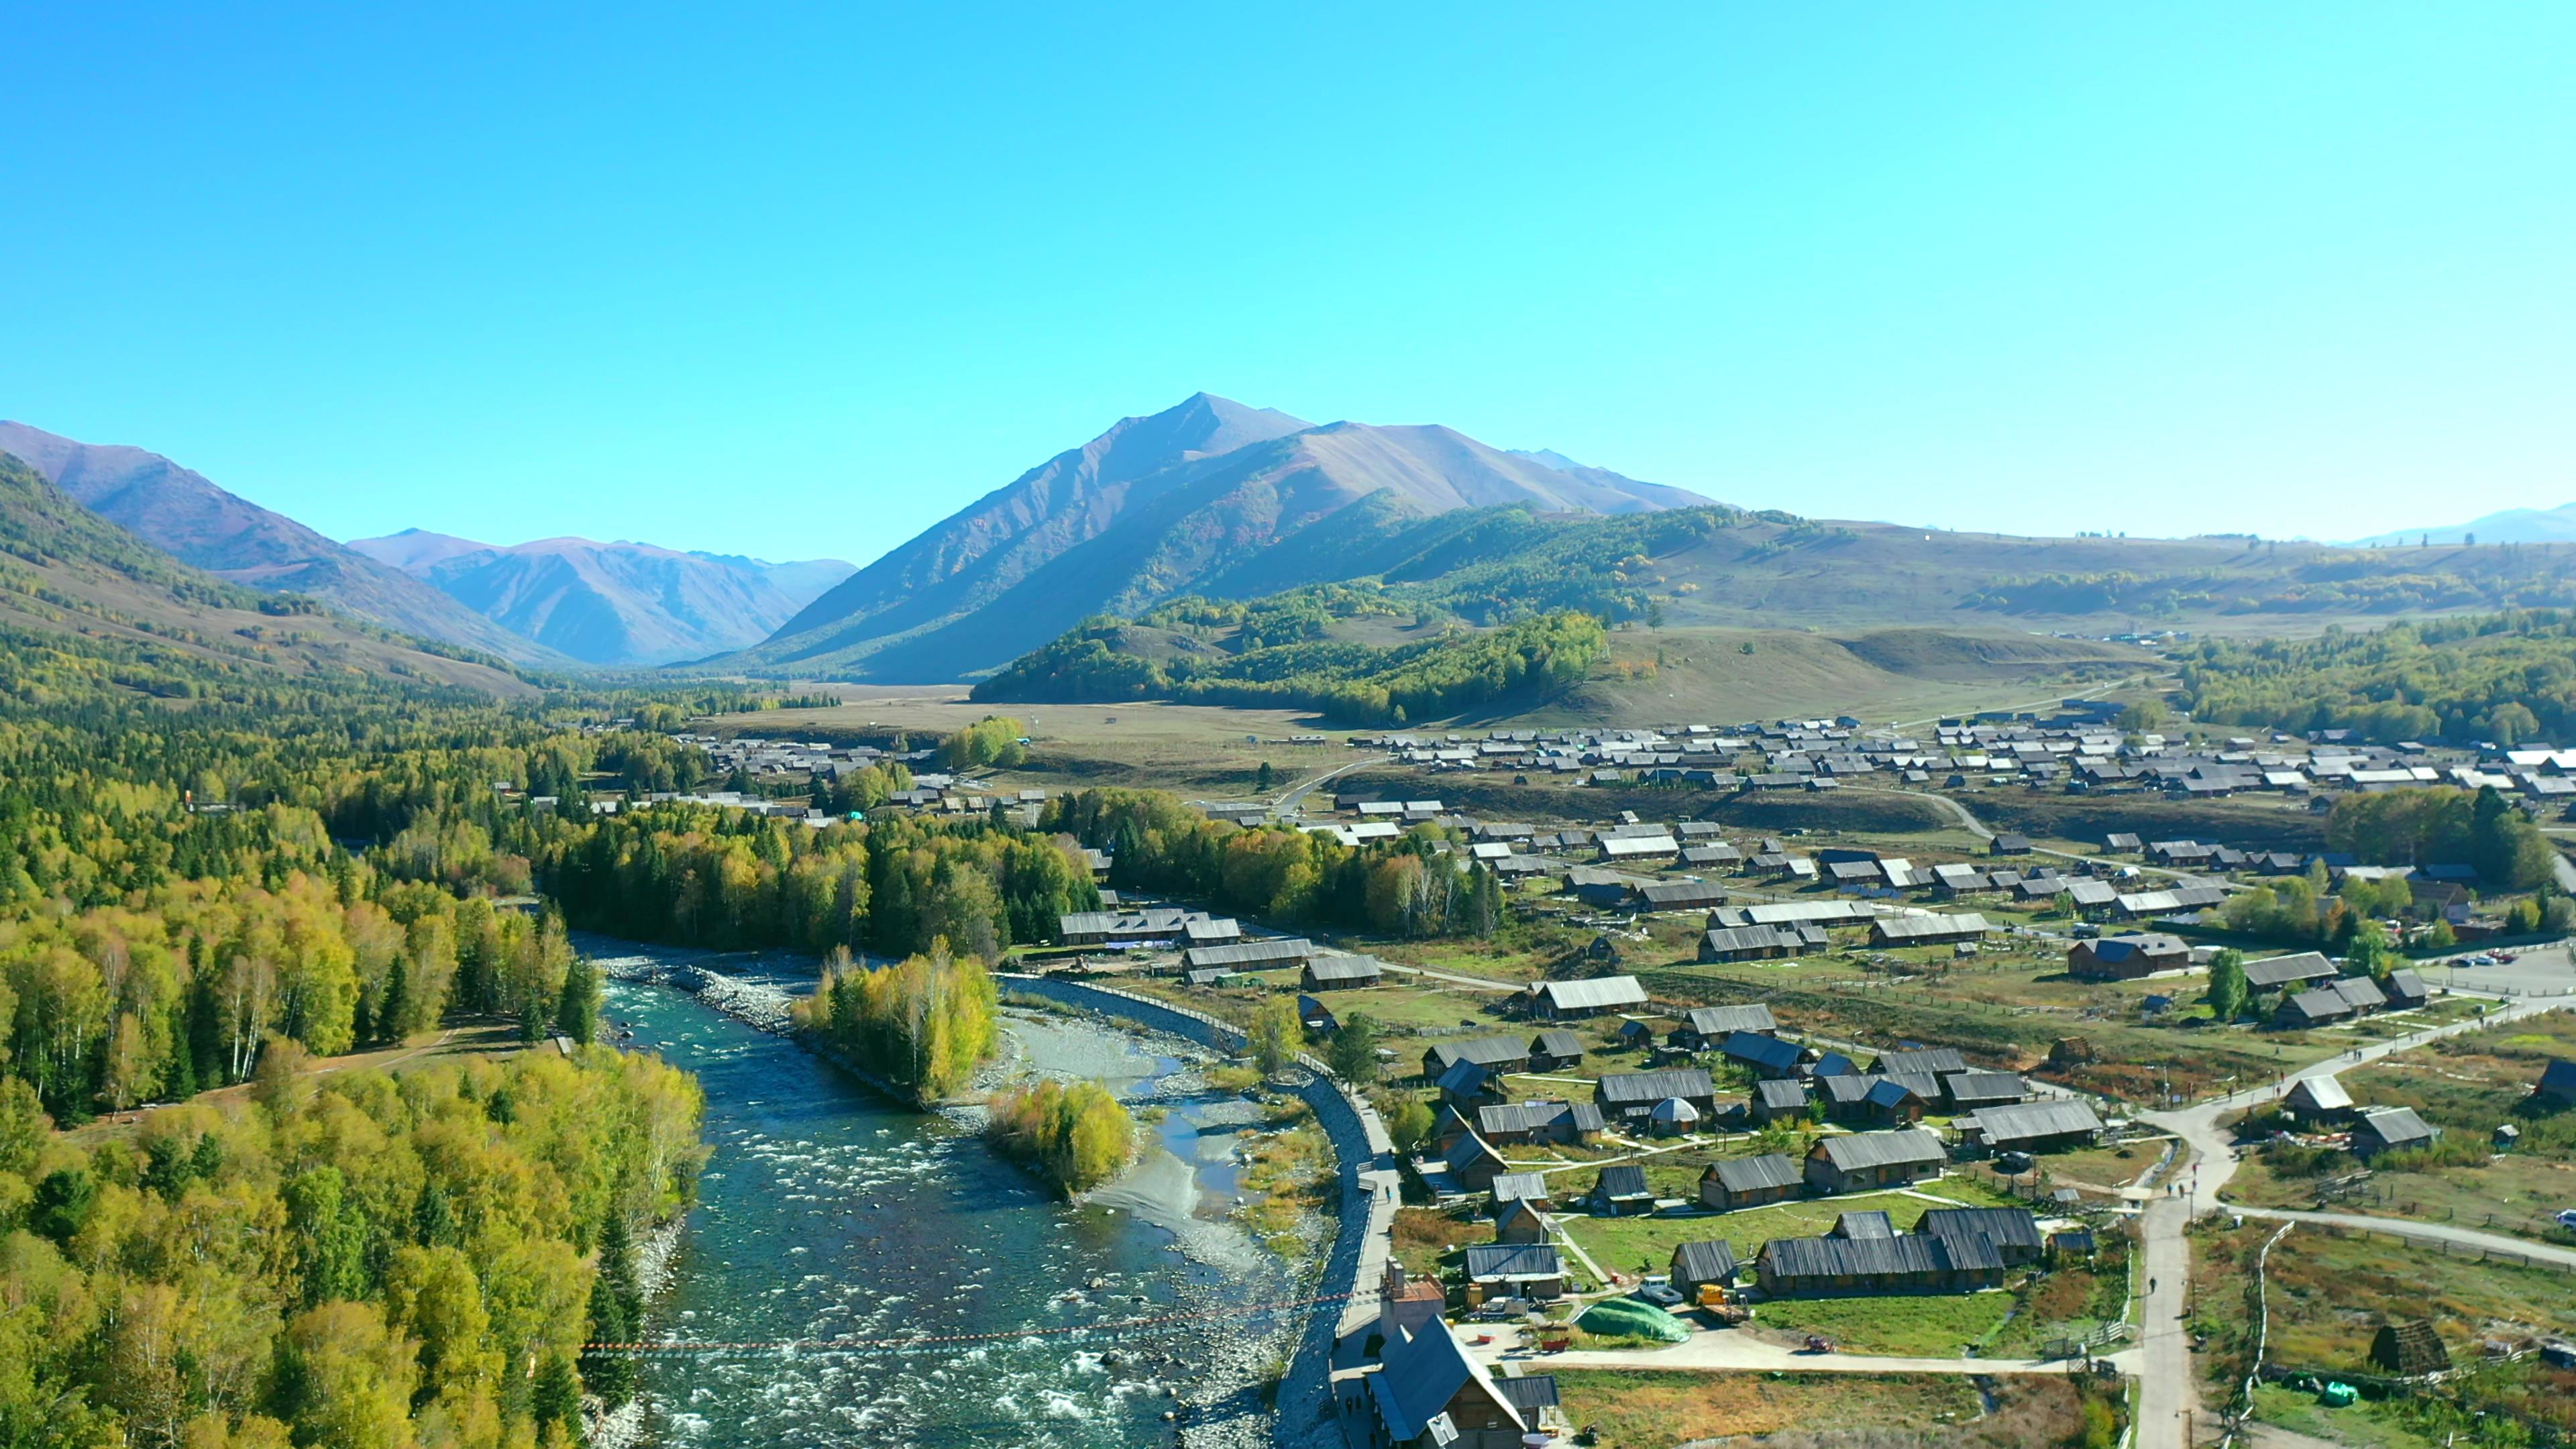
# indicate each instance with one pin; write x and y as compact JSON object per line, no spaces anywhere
{"x":2512,"y":525}
{"x":80,"y":595}
{"x":1360,"y":655}
{"x":1207,"y":495}
{"x":612,"y":603}
{"x":186,"y":516}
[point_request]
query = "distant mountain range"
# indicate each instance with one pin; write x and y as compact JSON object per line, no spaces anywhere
{"x":125,"y":610}
{"x":188,"y":517}
{"x":618,"y":603}
{"x":1209,"y":495}
{"x":2513,"y":525}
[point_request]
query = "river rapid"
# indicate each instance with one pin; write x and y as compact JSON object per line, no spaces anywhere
{"x":828,"y":1212}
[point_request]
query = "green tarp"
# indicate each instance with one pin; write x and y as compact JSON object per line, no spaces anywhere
{"x":1631,"y":1318}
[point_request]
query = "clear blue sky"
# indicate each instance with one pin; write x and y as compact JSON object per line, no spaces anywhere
{"x":800,"y":283}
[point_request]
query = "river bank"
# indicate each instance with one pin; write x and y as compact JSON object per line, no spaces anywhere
{"x":852,"y":1175}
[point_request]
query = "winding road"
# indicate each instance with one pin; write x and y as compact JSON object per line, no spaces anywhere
{"x":2168,"y":1398}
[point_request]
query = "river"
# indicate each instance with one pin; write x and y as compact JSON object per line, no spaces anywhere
{"x":828,"y":1213}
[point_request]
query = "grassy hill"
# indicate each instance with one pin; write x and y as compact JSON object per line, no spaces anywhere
{"x":79,"y":595}
{"x":1714,"y":674}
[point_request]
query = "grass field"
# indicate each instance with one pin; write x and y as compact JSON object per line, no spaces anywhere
{"x":1639,"y":1409}
{"x":1622,"y":1244}
{"x":1930,"y":1325}
{"x":2465,"y":1085}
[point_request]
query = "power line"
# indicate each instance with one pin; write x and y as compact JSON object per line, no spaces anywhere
{"x":937,"y":1342}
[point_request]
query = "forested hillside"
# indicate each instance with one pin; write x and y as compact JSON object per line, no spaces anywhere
{"x":2506,"y":678}
{"x":358,"y":1260}
{"x":1286,"y":652}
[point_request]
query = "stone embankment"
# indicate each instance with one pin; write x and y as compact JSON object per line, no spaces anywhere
{"x":1362,"y":1228}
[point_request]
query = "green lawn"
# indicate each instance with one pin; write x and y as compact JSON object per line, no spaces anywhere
{"x":1920,"y":1326}
{"x":1619,"y":1244}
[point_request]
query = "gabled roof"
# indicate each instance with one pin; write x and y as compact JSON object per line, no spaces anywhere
{"x":2396,"y":1126}
{"x":1933,"y":1061}
{"x":1891,"y":1092}
{"x":2320,"y":1094}
{"x":1343,"y":968}
{"x":2022,"y":1121}
{"x":1556,"y":1042}
{"x":1465,"y":1079}
{"x":1625,"y":1179}
{"x":1514,"y":1260}
{"x":2278,"y":971}
{"x":1985,"y":1086}
{"x":2006,"y":1227}
{"x":1510,"y":1186}
{"x":1709,"y":1260}
{"x":1488,"y":1051}
{"x":1753,"y":1174}
{"x":1781,"y":1094}
{"x":1862,"y":1225}
{"x":1723,"y":1021}
{"x":1420,"y":1372}
{"x":1907,"y":1254}
{"x":1600,"y":993}
{"x":1883,"y":1149}
{"x":1762,"y":1051}
{"x":1639,"y":1088}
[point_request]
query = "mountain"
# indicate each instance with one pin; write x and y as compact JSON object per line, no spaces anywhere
{"x":183,"y":514}
{"x":612,"y":603}
{"x":2513,"y":525}
{"x":1209,"y":495}
{"x":80,"y":594}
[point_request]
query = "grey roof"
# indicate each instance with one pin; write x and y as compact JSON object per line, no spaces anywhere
{"x":1781,"y":1094}
{"x":2320,"y":1094}
{"x":1535,"y":1116}
{"x":1985,"y":1086}
{"x":2023,"y":1121}
{"x":2405,"y":985}
{"x":1931,"y":928}
{"x":1884,"y":1149}
{"x":1846,"y":1089}
{"x":2006,"y":1227}
{"x":1906,"y":1255}
{"x":1249,"y":953}
{"x":1724,"y":1021}
{"x":1343,"y":968}
{"x":1709,"y":1260}
{"x":1753,"y":1174}
{"x":1486,"y":1050}
{"x":1728,"y":940}
{"x":2153,"y":943}
{"x":1529,"y":1393}
{"x":2396,"y":1126}
{"x":1864,"y":1225}
{"x":1762,"y":1051}
{"x":2276,"y":971}
{"x":1681,"y":895}
{"x":1509,"y":1186}
{"x":1646,"y":1088}
{"x":1465,"y":1078}
{"x":1892,"y":1092}
{"x":1488,"y":1261}
{"x":1556,"y":1042}
{"x":1934,"y":1061}
{"x":1598,"y":993}
{"x":1624,"y":1179}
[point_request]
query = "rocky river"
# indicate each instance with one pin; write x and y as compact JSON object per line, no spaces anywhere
{"x":835,"y":1221}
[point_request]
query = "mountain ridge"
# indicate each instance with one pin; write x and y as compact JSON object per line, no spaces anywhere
{"x":1154,"y":506}
{"x":615,"y":604}
{"x":188,"y":516}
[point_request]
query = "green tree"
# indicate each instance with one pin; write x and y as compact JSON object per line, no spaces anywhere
{"x":1261,"y":779}
{"x":1352,"y":1054}
{"x":1407,"y":1119}
{"x":2227,"y":985}
{"x":577,"y":1005}
{"x":1274,"y":1034}
{"x":2370,"y":951}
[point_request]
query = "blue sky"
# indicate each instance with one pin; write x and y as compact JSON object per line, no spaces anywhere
{"x":797,"y":283}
